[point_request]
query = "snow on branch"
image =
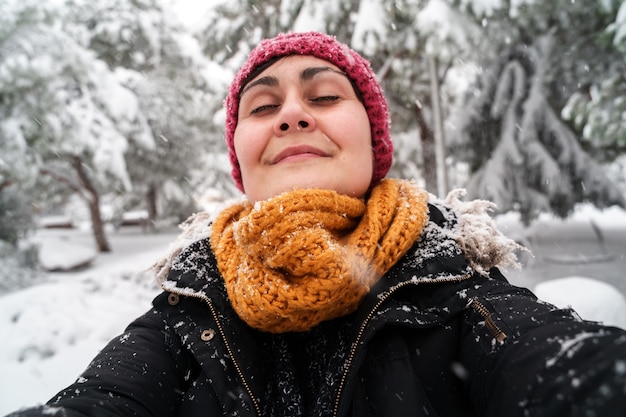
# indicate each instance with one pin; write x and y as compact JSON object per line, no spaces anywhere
{"x":525,"y":157}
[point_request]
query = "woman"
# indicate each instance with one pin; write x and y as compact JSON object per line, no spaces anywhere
{"x":332,"y":291}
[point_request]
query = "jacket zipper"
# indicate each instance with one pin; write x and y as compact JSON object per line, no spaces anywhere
{"x":365,"y":322}
{"x":220,"y":328}
{"x":493,"y":328}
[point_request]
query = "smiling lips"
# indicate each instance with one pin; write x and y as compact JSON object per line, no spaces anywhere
{"x":298,"y":152}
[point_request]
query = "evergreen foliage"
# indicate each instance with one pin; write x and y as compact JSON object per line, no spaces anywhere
{"x":522,"y":154}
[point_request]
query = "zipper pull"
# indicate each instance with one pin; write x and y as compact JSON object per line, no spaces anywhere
{"x":480,"y":308}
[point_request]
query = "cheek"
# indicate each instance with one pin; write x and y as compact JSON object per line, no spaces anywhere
{"x":360,"y":135}
{"x":248,"y":149}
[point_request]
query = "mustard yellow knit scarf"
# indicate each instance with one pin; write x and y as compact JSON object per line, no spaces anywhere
{"x":307,"y":256}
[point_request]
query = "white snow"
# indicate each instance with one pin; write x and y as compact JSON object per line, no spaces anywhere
{"x":370,"y":25}
{"x":576,"y":292}
{"x":52,"y":330}
{"x":73,"y":256}
{"x":192,"y":12}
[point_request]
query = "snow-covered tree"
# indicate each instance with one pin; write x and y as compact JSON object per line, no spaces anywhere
{"x":521,"y":153}
{"x":598,"y":107}
{"x":387,"y":34}
{"x":421,"y":45}
{"x":232,"y":28}
{"x":62,"y":109}
{"x":16,"y":218}
{"x":536,"y":163}
{"x":163,"y":65}
{"x":18,"y":164}
{"x":179,"y":116}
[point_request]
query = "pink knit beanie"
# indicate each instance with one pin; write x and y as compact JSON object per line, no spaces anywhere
{"x":329,"y":49}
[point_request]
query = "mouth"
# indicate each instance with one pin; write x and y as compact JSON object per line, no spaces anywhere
{"x":297,"y":153}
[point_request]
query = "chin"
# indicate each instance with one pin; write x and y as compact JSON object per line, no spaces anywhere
{"x":329,"y":185}
{"x":358,"y":190}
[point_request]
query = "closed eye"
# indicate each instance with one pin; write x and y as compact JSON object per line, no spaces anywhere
{"x":263,"y":108}
{"x":323,"y":99}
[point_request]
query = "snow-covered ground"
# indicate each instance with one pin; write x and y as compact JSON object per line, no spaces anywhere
{"x":51,"y":330}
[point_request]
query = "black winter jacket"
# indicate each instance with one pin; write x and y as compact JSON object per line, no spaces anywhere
{"x":433,"y":338}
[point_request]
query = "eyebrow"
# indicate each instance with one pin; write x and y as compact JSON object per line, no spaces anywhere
{"x":268,"y":80}
{"x":311,"y":72}
{"x":306,"y":75}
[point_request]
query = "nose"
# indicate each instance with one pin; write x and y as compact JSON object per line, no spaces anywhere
{"x":302,"y":124}
{"x":293,"y":116}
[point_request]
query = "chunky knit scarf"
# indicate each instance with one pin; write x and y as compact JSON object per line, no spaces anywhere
{"x":307,"y":256}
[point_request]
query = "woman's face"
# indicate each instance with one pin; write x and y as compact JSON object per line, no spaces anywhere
{"x":301,"y":125}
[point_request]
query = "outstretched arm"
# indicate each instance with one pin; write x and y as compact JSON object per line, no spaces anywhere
{"x":140,"y":373}
{"x":550,"y":363}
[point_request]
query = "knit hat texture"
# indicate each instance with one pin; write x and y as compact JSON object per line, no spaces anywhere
{"x":328,"y":48}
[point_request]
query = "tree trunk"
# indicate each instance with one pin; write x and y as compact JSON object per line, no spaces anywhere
{"x":429,"y":162}
{"x":97,"y":225}
{"x":93,"y":200}
{"x":440,"y":145}
{"x":151,"y":204}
